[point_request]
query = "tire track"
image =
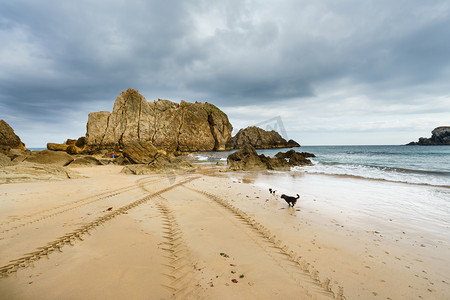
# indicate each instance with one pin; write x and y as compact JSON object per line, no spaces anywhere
{"x":44,"y":214}
{"x":286,"y":258}
{"x":28,"y":259}
{"x":180,"y":269}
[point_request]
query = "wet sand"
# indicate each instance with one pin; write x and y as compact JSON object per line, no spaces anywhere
{"x":212,"y":235}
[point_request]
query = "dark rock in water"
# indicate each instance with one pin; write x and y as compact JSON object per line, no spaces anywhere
{"x":165,"y":124}
{"x":50,"y":157}
{"x":5,"y":160}
{"x":85,"y":161}
{"x":296,"y":158}
{"x":275,"y":163}
{"x":140,"y":152}
{"x":248,"y":159}
{"x":259,"y":139}
{"x":245,"y":159}
{"x":440,"y":136}
{"x":8,"y":139}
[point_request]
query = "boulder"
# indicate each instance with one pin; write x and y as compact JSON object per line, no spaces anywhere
{"x":439,"y":136}
{"x":26,"y":172}
{"x":81,"y":142}
{"x":8,"y":139}
{"x":85,"y":161}
{"x":140,"y":152}
{"x":57,"y":147}
{"x":73,"y":150}
{"x":4,"y":160}
{"x":50,"y":157}
{"x":296,"y":158}
{"x":259,"y":139}
{"x":245,"y":159}
{"x":166,"y":125}
{"x":70,"y":142}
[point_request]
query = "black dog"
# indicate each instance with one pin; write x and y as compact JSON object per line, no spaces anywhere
{"x":290,"y":200}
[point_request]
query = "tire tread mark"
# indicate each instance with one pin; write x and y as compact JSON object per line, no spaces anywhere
{"x":80,"y":202}
{"x":69,"y":238}
{"x":301,"y":265}
{"x":180,"y":275}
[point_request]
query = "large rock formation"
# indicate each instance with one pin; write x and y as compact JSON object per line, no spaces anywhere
{"x":259,"y":139}
{"x":50,"y":157}
{"x":247,"y":159}
{"x":26,"y":172}
{"x":161,"y":164}
{"x":440,"y":136}
{"x":184,"y":127}
{"x":8,"y":139}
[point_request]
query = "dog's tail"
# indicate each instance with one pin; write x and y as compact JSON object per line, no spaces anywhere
{"x":297,"y":196}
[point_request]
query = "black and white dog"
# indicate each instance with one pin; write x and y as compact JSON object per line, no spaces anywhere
{"x":290,"y":200}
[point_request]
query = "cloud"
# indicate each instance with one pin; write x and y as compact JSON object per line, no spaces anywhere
{"x":325,"y":58}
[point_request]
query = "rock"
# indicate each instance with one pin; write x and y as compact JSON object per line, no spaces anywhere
{"x":70,"y":142}
{"x":248,"y":159}
{"x":50,"y":157}
{"x":80,"y":142}
{"x":162,"y":164}
{"x":85,"y":161}
{"x":259,"y":139}
{"x":73,"y":150}
{"x":296,"y":158}
{"x":4,"y":160}
{"x":245,"y":159}
{"x":140,"y":152}
{"x":166,"y":125}
{"x":122,"y":161}
{"x":18,"y":155}
{"x":26,"y":172}
{"x":8,"y":139}
{"x":57,"y":147}
{"x":440,"y":136}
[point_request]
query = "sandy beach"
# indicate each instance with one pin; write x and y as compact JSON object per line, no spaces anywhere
{"x":215,"y":235}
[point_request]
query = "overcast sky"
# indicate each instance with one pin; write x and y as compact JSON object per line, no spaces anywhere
{"x":335,"y":72}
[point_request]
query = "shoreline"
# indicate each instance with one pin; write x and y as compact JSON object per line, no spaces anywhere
{"x":335,"y":247}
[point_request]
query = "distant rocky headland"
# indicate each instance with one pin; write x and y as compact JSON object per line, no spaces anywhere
{"x":440,"y":136}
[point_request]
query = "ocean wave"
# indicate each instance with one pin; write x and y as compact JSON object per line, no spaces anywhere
{"x":379,"y":173}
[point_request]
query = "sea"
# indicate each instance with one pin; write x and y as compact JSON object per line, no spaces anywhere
{"x":389,"y":187}
{"x":429,"y":165}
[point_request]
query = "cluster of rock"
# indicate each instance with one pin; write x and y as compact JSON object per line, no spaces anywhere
{"x":70,"y":146}
{"x":145,"y":136}
{"x":440,"y":136}
{"x":247,"y":159}
{"x":259,"y":139}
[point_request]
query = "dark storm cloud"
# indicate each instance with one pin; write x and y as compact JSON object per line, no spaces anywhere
{"x":59,"y":56}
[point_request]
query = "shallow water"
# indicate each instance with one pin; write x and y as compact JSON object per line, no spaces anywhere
{"x":390,"y":206}
{"x":411,"y":164}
